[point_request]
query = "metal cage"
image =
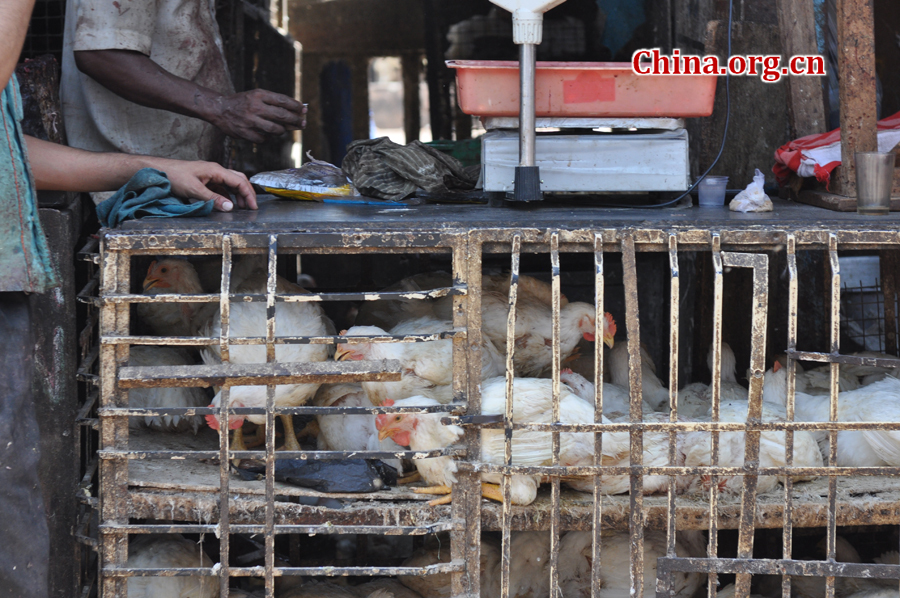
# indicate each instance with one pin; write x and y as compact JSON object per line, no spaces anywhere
{"x":262,"y":509}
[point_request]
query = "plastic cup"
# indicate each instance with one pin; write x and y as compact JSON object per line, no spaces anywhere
{"x":874,"y":179}
{"x":712,"y":191}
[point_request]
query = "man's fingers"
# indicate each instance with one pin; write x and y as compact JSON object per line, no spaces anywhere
{"x":241,"y":187}
{"x":278,"y":99}
{"x":221,"y":204}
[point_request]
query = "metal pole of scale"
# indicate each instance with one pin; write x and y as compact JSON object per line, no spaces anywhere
{"x":528,"y":18}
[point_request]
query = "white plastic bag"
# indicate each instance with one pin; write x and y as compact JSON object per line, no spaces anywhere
{"x":753,"y":198}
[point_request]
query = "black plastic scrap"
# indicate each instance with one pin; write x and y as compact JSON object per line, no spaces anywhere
{"x":344,"y":475}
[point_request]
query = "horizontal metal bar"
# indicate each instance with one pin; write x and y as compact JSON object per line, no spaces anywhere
{"x":304,"y":455}
{"x":848,"y":359}
{"x":110,"y":412}
{"x":473,"y":420}
{"x":312,"y":297}
{"x":328,"y":529}
{"x":436,"y":569}
{"x":643,"y":470}
{"x":89,"y":252}
{"x":621,"y":427}
{"x":780,"y":567}
{"x":259,"y":374}
{"x":281,"y":340}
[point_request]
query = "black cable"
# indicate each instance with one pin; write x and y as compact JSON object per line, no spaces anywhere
{"x":724,"y":133}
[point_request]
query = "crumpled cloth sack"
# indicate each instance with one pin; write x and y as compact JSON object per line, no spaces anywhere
{"x":148,"y":194}
{"x":386,"y":170}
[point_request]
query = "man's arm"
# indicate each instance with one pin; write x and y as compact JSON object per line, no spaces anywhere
{"x":60,"y":168}
{"x":14,"y":17}
{"x":251,"y":115}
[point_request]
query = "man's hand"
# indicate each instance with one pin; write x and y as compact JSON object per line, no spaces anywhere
{"x":208,"y":180}
{"x":257,"y":114}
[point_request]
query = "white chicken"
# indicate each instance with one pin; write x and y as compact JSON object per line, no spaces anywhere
{"x":344,"y":432}
{"x":169,"y":552}
{"x":879,"y":401}
{"x":575,"y":563}
{"x":379,"y":588}
{"x":388,"y":313}
{"x":533,"y":351}
{"x":532,"y":403}
{"x":616,"y":401}
{"x":158,"y":398}
{"x":427,"y":366}
{"x":249,"y":320}
{"x":653,"y":391}
{"x":695,"y":400}
{"x":698,"y":453}
{"x":170,"y":275}
{"x":729,"y":592}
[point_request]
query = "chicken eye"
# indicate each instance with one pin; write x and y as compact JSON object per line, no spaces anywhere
{"x":163,"y":270}
{"x":397,"y":418}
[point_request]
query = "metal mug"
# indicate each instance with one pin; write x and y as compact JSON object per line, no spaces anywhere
{"x":874,"y":179}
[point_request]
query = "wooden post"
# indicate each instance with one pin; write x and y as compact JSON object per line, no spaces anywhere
{"x":412,"y":122}
{"x":797,"y":23}
{"x":359,"y":73}
{"x":856,"y":70}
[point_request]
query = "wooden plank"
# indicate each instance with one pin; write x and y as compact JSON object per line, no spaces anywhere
{"x":838,"y":203}
{"x":856,"y":71}
{"x":797,"y":23}
{"x":258,"y":374}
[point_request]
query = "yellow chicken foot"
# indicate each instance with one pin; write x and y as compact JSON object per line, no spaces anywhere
{"x":290,"y":438}
{"x":444,"y":500}
{"x":311,"y":430}
{"x":237,"y":444}
{"x":432,"y":490}
{"x":259,"y":438}
{"x":491,"y":492}
{"x":409,"y":479}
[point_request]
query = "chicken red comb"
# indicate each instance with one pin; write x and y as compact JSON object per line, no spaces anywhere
{"x":211,"y":420}
{"x":343,"y":332}
{"x":150,"y":269}
{"x":567,"y":371}
{"x":388,"y":402}
{"x":610,"y":323}
{"x":776,"y":366}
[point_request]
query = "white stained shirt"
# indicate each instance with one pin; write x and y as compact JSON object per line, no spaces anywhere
{"x":181,"y":36}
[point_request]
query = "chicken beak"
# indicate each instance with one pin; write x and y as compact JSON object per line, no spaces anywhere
{"x":150,"y":282}
{"x":386,"y":433}
{"x":340,"y":354}
{"x":608,"y":340}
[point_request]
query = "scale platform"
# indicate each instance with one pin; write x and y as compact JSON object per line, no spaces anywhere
{"x":625,"y":154}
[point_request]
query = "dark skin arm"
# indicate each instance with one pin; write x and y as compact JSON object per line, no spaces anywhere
{"x":253,"y":115}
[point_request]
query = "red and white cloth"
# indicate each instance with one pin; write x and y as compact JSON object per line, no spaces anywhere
{"x":818,"y":155}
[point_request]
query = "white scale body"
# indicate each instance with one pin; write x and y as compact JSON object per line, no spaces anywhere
{"x":641,"y":154}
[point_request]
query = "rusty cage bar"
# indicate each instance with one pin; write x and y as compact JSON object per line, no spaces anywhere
{"x":768,"y":255}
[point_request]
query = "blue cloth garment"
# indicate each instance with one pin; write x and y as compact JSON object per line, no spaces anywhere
{"x":24,"y":257}
{"x":148,"y":195}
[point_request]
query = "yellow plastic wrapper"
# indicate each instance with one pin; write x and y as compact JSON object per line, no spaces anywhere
{"x":314,"y":181}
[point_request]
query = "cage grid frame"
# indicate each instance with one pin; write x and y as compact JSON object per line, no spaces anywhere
{"x":465,"y":519}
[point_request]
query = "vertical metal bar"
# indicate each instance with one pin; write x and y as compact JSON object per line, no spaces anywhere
{"x":508,"y":414}
{"x":787,"y":518}
{"x":760,"y":264}
{"x":889,"y":260}
{"x":225,"y":398}
{"x":269,"y":538}
{"x":636,"y":493}
{"x":716,"y":388}
{"x":462,"y":544}
{"x":831,"y":536}
{"x":554,"y":495}
{"x":674,"y":318}
{"x":114,"y":320}
{"x":596,"y":565}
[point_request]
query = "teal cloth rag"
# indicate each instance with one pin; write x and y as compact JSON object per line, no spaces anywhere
{"x":148,"y":195}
